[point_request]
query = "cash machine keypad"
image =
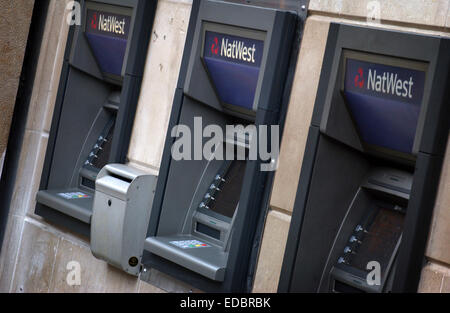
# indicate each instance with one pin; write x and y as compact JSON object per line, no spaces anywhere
{"x":101,"y":150}
{"x":374,"y":239}
{"x":223,"y":194}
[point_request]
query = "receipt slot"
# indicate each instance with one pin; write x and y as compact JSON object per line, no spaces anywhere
{"x":122,"y":202}
{"x":95,"y":106}
{"x":372,"y":164}
{"x":204,"y":220}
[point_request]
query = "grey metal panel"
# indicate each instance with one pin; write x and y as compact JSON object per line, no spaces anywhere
{"x":185,"y":175}
{"x":81,"y":56}
{"x":80,"y":209}
{"x":129,"y":97}
{"x":352,"y":280}
{"x":336,"y":120}
{"x":335,"y":166}
{"x":417,"y":222}
{"x":324,"y":82}
{"x":353,"y":215}
{"x":290,"y":253}
{"x":390,"y":181}
{"x":210,"y":261}
{"x":121,"y":170}
{"x":58,"y":218}
{"x":142,"y":32}
{"x":112,"y":186}
{"x":79,"y":112}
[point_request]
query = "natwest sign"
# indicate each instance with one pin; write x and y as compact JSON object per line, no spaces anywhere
{"x":233,"y":48}
{"x":107,"y":34}
{"x":233,"y":63}
{"x":385,"y":102}
{"x":380,"y":80}
{"x":108,"y":24}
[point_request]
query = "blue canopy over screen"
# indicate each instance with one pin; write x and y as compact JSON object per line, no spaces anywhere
{"x":234,"y":64}
{"x":107,"y":34}
{"x":385,"y":102}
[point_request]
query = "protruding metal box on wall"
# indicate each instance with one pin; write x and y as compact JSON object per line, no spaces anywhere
{"x":121,"y":210}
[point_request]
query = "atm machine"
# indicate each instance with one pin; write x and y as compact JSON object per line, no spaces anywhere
{"x":207,"y":209}
{"x":372,"y":163}
{"x":95,"y":106}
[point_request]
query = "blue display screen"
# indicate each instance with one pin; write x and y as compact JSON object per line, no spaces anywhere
{"x":385,"y":102}
{"x":233,"y":63}
{"x":107,"y":34}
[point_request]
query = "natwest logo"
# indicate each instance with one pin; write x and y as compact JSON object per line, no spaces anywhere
{"x":215,"y":46}
{"x":110,"y":24}
{"x":94,"y":21}
{"x":389,"y":83}
{"x":359,"y":78}
{"x":394,"y":83}
{"x":237,"y":50}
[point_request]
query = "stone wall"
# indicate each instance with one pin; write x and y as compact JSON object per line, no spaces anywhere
{"x":35,"y":253}
{"x":15,"y":19}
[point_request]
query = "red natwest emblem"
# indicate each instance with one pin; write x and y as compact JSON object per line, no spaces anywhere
{"x":359,"y":78}
{"x":94,"y":21}
{"x":215,"y":46}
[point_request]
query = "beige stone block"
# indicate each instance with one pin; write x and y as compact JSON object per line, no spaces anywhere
{"x":421,"y":12}
{"x":271,"y":255}
{"x":49,"y":67}
{"x":118,"y":281}
{"x":168,"y":283}
{"x":356,"y":8}
{"x":432,"y":278}
{"x":29,"y":172}
{"x":447,"y":23}
{"x":326,"y":6}
{"x":299,"y":113}
{"x":439,"y":238}
{"x":95,"y":275}
{"x":446,"y":284}
{"x":424,"y":12}
{"x":35,"y":180}
{"x":35,"y":260}
{"x":147,"y":288}
{"x":159,"y":83}
{"x":10,"y":248}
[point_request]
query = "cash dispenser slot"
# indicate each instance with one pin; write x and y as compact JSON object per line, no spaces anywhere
{"x":207,"y":208}
{"x":370,"y":232}
{"x":77,"y":201}
{"x":202,"y":246}
{"x":95,"y":107}
{"x":372,"y":164}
